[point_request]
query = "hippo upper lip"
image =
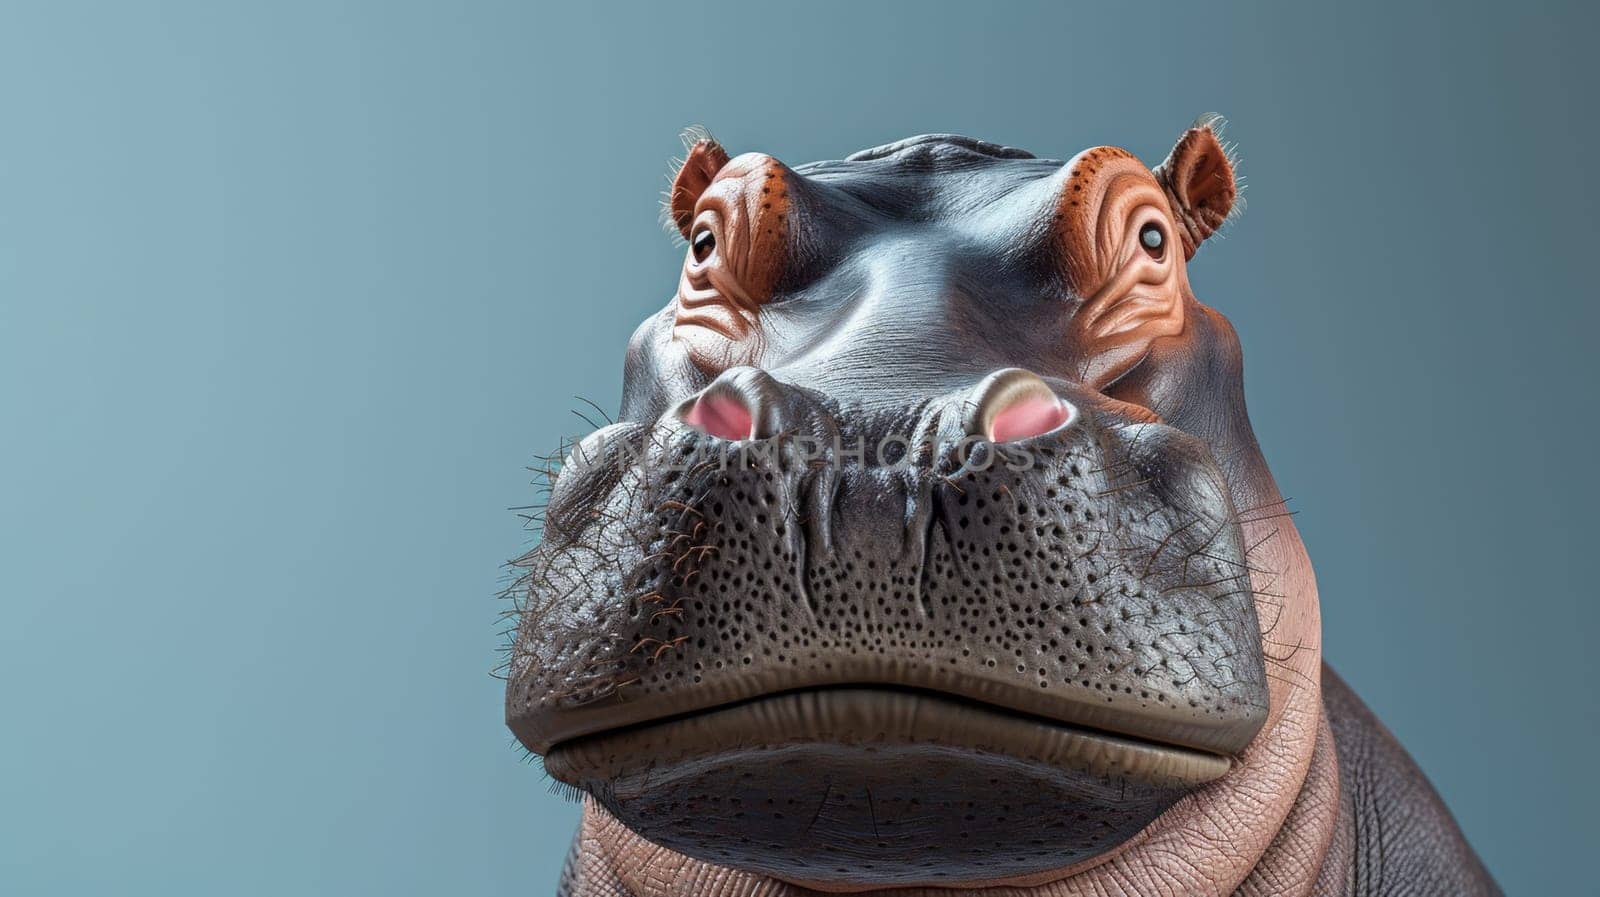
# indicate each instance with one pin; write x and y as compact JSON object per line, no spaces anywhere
{"x":1101,"y":586}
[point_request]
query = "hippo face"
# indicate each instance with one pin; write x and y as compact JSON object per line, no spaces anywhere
{"x":915,"y":555}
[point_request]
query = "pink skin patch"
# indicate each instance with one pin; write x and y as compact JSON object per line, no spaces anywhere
{"x":721,"y":416}
{"x":1027,"y":417}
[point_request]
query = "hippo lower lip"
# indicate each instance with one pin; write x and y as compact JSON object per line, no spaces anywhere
{"x":884,"y":773}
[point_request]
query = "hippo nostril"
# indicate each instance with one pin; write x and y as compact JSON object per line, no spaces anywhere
{"x":722,"y":415}
{"x":1014,"y":404}
{"x":1028,"y":416}
{"x":742,"y":403}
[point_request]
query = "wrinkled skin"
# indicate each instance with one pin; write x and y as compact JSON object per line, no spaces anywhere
{"x":933,"y":551}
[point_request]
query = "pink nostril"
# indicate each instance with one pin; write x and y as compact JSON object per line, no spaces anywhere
{"x":1028,"y":416}
{"x":722,"y":416}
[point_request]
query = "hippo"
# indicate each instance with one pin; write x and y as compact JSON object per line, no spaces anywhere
{"x":932,"y":551}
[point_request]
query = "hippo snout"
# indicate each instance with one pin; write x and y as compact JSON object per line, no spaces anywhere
{"x":768,"y":563}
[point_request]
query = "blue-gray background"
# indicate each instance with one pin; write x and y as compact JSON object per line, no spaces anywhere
{"x":290,"y":294}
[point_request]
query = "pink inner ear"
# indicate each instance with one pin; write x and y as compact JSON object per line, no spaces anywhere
{"x":721,"y":416}
{"x":1027,"y":417}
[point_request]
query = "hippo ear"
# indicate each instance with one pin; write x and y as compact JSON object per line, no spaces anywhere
{"x":1199,"y":183}
{"x":705,"y":158}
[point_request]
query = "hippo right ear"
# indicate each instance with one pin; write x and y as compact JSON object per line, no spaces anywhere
{"x":1199,"y":182}
{"x":706,"y":157}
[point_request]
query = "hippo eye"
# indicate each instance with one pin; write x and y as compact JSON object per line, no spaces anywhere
{"x":702,"y":243}
{"x":1152,"y":239}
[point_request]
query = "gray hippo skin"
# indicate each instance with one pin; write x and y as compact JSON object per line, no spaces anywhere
{"x":932,"y":551}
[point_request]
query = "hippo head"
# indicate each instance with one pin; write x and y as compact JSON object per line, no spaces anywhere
{"x":915,"y":555}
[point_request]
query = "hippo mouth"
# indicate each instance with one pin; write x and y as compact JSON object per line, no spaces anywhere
{"x":896,"y":670}
{"x":875,"y":718}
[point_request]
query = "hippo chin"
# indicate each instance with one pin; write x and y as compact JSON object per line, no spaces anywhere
{"x":932,"y":549}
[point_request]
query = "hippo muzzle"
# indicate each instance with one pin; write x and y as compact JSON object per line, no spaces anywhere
{"x":810,"y":640}
{"x":881,"y":577}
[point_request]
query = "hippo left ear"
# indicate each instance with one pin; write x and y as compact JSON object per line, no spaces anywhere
{"x":1199,"y":183}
